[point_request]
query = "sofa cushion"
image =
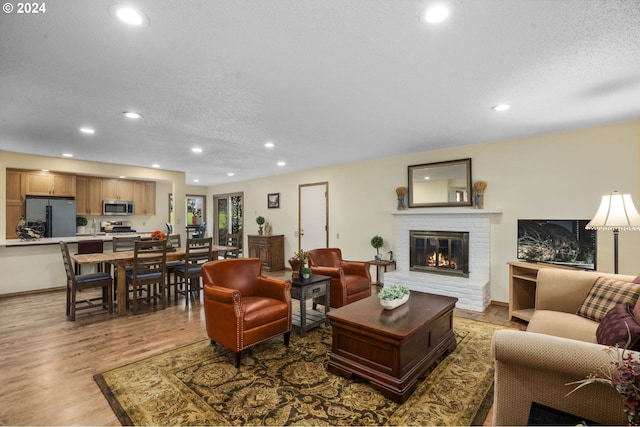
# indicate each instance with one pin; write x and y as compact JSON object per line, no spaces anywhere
{"x":604,"y":295}
{"x":564,"y":325}
{"x":618,"y":326}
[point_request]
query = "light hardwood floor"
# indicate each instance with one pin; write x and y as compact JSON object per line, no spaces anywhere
{"x":47,"y":363}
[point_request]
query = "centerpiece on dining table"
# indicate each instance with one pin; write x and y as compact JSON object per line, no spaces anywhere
{"x":160,"y":235}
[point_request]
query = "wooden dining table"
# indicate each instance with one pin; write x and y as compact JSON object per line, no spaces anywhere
{"x":123,"y":259}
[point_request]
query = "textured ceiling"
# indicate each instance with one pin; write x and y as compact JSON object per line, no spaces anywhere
{"x":327,"y":81}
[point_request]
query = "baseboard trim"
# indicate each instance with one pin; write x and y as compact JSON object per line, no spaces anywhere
{"x":32,"y":292}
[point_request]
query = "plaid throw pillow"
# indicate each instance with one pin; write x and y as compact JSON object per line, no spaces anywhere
{"x":604,"y":295}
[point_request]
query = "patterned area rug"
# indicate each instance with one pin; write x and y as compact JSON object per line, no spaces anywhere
{"x":277,"y":385}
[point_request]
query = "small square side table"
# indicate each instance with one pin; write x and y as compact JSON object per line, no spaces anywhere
{"x":305,"y":289}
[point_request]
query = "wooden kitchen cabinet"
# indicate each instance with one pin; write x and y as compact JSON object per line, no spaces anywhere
{"x":88,"y":195}
{"x":49,"y":184}
{"x":117,"y":189}
{"x":270,"y":250}
{"x":15,"y":202}
{"x":144,"y":197}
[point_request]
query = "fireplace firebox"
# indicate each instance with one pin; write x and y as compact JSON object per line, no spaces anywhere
{"x":441,"y":252}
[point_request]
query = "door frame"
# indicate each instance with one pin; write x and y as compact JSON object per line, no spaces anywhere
{"x":326,"y":213}
{"x":215,"y":197}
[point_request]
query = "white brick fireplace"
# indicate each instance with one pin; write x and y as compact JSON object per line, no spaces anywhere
{"x":473,"y":292}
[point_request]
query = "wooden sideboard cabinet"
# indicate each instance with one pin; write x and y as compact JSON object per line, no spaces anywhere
{"x":270,"y":250}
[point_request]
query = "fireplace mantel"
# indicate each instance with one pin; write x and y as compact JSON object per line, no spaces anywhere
{"x":447,"y":211}
{"x":473,"y":292}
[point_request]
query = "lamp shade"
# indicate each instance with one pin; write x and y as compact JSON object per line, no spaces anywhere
{"x":616,"y":212}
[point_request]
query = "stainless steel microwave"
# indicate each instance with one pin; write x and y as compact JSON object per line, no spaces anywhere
{"x":117,"y":207}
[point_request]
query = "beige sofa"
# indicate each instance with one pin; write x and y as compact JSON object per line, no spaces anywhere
{"x":558,"y":347}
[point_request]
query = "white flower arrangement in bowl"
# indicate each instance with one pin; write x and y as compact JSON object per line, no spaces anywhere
{"x":393,"y":296}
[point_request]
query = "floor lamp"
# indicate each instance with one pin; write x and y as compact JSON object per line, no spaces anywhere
{"x":616,"y":212}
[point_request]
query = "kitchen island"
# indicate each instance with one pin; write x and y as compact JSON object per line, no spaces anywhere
{"x":105,"y":237}
{"x":36,"y":265}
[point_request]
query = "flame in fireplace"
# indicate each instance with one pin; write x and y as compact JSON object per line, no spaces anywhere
{"x":440,"y":260}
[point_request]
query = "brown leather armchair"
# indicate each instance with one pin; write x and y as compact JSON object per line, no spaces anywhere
{"x":350,"y":280}
{"x":242,"y":307}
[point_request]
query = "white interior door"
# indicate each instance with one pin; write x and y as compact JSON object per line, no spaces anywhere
{"x":313,"y":226}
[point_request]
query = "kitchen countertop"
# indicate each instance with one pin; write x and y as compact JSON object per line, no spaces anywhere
{"x":72,"y":239}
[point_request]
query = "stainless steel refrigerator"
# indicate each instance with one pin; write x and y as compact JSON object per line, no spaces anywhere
{"x":57,"y":213}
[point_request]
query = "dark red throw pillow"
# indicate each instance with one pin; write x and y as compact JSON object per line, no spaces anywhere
{"x":612,"y":330}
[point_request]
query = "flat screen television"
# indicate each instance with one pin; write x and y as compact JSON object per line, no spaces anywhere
{"x":561,"y":242}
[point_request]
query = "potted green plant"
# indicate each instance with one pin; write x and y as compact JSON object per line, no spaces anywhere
{"x":81,"y":223}
{"x":260,"y":222}
{"x":393,"y":296}
{"x":306,"y":272}
{"x":377,"y":242}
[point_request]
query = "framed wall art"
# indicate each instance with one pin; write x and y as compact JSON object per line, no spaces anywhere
{"x":273,"y":200}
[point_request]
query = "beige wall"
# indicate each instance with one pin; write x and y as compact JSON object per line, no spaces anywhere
{"x":560,"y":175}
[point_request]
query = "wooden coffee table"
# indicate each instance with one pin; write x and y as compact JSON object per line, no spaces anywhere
{"x":391,"y":348}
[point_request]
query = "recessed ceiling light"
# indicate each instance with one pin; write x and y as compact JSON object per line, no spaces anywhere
{"x":436,"y":13}
{"x":269,"y":145}
{"x":196,"y":150}
{"x":132,"y":115}
{"x":501,"y":107}
{"x":230,"y":174}
{"x":155,"y":165}
{"x":67,"y":155}
{"x":129,"y":15}
{"x":281,"y":163}
{"x":426,"y":177}
{"x":88,"y":131}
{"x":196,"y":180}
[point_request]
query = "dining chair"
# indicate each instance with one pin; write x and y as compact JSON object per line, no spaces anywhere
{"x":200,"y":232}
{"x":233,"y":239}
{"x":198,"y":252}
{"x":148,"y":271}
{"x":80,"y":282}
{"x":124,"y":243}
{"x":175,"y":241}
{"x":95,"y":246}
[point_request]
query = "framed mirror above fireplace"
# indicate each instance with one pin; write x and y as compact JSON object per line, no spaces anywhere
{"x":440,"y":184}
